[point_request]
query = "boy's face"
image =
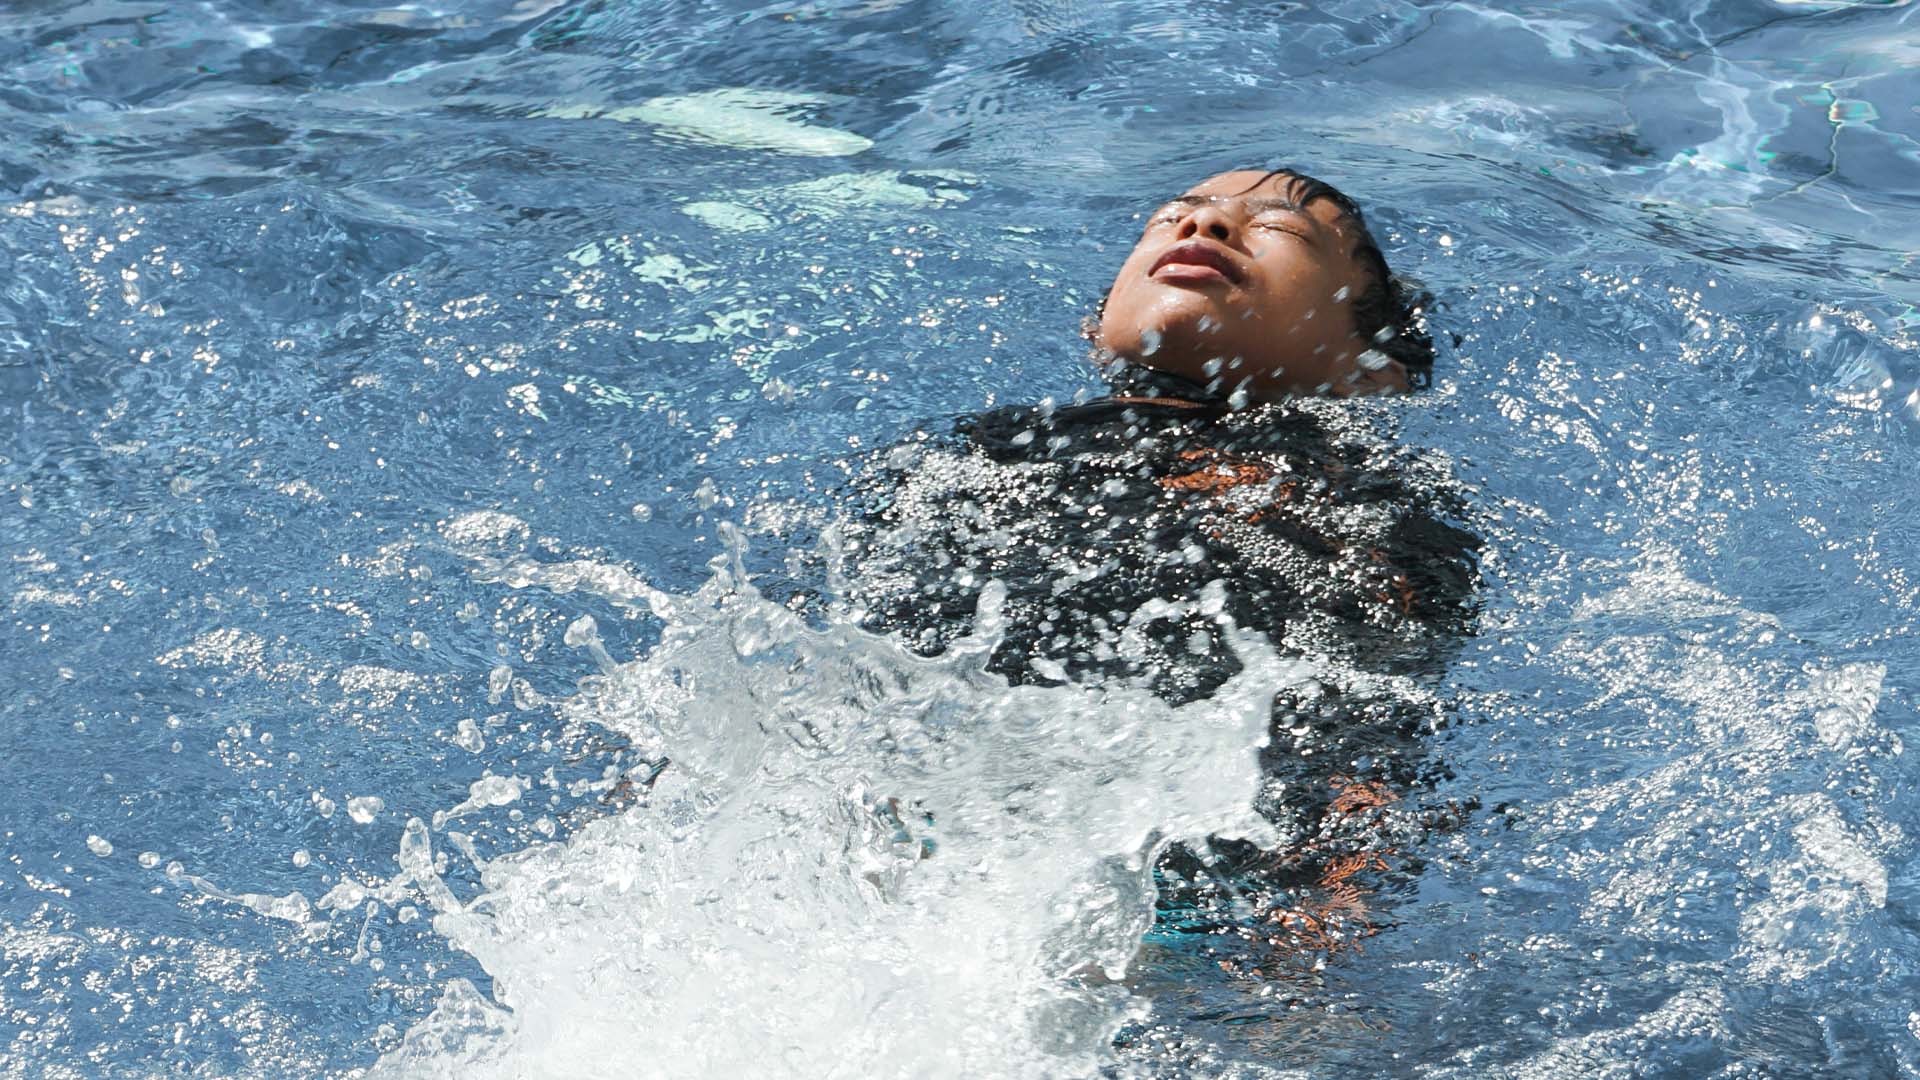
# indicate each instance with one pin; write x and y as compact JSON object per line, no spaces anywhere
{"x":1230,"y":271}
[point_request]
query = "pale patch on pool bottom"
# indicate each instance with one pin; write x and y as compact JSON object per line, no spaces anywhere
{"x":859,"y":861}
{"x":828,"y":196}
{"x":740,"y":117}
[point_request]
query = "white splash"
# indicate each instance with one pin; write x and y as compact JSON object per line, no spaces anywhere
{"x":859,"y":861}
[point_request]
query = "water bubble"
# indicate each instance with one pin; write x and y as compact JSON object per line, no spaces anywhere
{"x":584,"y":633}
{"x":346,"y":896}
{"x":494,"y":790}
{"x":525,"y":696}
{"x":468,"y":737}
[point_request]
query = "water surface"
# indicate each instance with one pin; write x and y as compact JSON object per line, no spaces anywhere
{"x":378,"y":384}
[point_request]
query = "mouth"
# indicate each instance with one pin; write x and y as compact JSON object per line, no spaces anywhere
{"x":1195,"y":262}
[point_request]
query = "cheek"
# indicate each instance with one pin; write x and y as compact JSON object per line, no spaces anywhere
{"x":1305,"y":302}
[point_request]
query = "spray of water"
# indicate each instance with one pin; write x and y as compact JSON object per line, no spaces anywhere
{"x":856,"y":862}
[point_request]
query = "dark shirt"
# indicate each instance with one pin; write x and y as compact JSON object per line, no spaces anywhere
{"x":1122,"y":527}
{"x":1107,"y":521}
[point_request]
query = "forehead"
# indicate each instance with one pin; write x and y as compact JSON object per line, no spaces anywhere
{"x":1241,"y":182}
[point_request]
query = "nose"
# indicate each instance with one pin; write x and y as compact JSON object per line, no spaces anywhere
{"x":1208,"y":220}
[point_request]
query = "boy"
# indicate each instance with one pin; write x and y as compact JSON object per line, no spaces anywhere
{"x":1220,"y":466}
{"x":1276,"y":277}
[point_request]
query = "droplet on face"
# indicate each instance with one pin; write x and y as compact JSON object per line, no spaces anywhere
{"x":1149,"y":342}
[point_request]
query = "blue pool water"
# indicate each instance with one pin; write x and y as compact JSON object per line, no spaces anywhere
{"x":395,"y":398}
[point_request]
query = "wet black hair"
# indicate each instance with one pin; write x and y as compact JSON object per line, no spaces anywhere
{"x":1391,"y":312}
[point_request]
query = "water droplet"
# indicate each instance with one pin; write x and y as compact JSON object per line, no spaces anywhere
{"x":363,"y":809}
{"x":468,"y":737}
{"x":99,"y":846}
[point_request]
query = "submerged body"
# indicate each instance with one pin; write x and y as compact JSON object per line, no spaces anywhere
{"x":1129,"y":530}
{"x":1108,"y":521}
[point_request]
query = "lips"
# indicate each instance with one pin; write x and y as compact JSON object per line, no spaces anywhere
{"x":1195,"y":262}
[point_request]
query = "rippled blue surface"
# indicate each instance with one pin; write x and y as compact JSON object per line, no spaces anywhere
{"x":285,"y":298}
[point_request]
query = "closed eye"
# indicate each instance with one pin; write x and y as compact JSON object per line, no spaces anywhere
{"x":1283,"y":223}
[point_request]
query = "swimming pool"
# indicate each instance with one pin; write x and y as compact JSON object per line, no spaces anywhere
{"x":393,"y":394}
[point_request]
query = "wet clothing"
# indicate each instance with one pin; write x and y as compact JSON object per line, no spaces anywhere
{"x":1120,"y":527}
{"x":1107,"y":521}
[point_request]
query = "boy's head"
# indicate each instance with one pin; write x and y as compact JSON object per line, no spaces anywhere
{"x":1275,"y":277}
